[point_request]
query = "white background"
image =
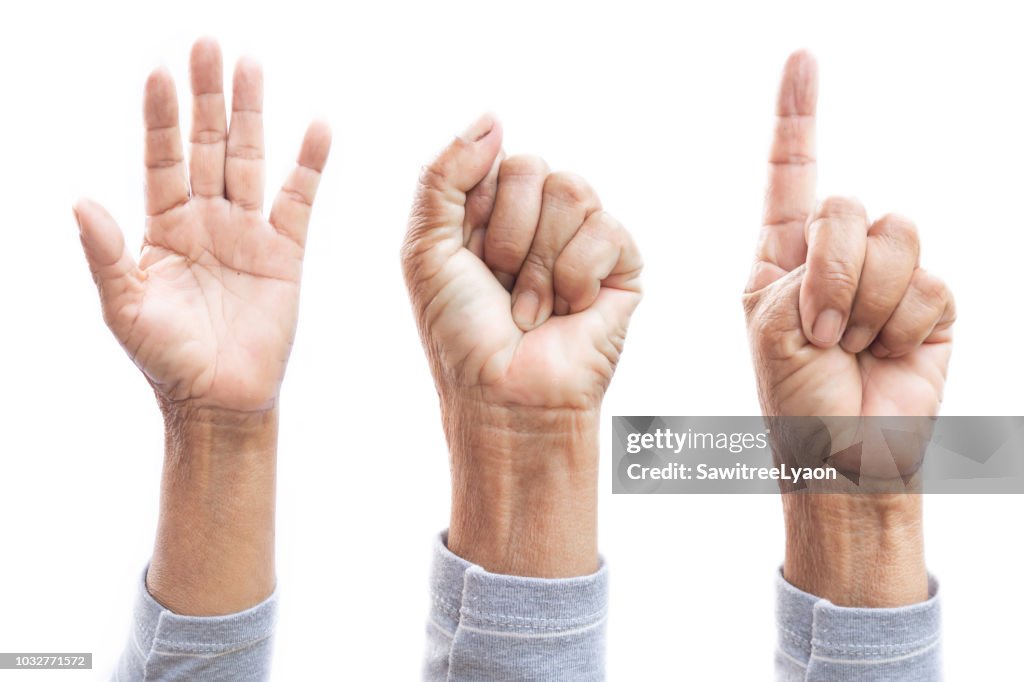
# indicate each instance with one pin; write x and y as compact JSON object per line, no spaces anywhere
{"x":667,"y":111}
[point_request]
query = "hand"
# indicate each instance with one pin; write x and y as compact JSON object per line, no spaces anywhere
{"x":209,"y":311}
{"x":842,"y":320}
{"x":523,"y":288}
{"x":522,"y":285}
{"x":843,"y":323}
{"x":208,"y":314}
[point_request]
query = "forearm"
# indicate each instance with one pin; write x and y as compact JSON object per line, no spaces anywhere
{"x":214,"y":551}
{"x":524,"y":489}
{"x":862,"y":550}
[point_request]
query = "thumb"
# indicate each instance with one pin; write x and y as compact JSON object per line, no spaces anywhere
{"x":439,"y":209}
{"x":113,"y":269}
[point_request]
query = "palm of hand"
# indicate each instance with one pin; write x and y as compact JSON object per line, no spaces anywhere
{"x":217,"y":305}
{"x":209,"y":311}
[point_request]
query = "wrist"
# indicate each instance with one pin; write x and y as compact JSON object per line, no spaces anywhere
{"x":862,"y":550}
{"x":524,"y":489}
{"x":214,"y":550}
{"x":187,"y":422}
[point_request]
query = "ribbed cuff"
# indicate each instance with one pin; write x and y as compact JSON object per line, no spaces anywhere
{"x":809,"y":627}
{"x":161,"y":631}
{"x":466,"y":595}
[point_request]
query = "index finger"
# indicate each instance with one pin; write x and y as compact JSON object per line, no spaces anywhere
{"x":792,"y":171}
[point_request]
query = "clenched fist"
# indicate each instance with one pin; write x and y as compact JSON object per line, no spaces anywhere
{"x":842,"y":319}
{"x":208,"y":312}
{"x":522,"y":287}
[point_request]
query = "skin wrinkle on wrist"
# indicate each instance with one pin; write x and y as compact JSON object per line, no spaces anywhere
{"x":856,"y":550}
{"x":524,"y":500}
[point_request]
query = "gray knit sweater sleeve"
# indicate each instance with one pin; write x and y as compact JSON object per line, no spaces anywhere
{"x":486,"y":627}
{"x":165,"y":646}
{"x":819,"y":641}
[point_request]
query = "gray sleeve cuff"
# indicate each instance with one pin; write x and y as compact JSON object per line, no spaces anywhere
{"x":826,"y":641}
{"x":165,"y":645}
{"x":488,"y":626}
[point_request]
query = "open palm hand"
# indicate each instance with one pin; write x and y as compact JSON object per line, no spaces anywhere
{"x":209,"y":311}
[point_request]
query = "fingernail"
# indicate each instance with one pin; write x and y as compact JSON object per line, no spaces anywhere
{"x":827,"y":326}
{"x":525,"y":310}
{"x":478,"y":129}
{"x":857,"y":338}
{"x":880,"y":351}
{"x":561,"y":306}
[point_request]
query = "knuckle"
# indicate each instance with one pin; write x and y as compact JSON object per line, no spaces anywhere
{"x":504,"y":253}
{"x":433,"y":178}
{"x":296,"y":197}
{"x":568,"y":188}
{"x":208,"y":136}
{"x":932,"y":288}
{"x":611,"y":227}
{"x":837,"y":274}
{"x":950,"y":316}
{"x":872,"y":304}
{"x":536,"y":262}
{"x":898,"y":339}
{"x":523,"y":166}
{"x":245,"y":152}
{"x":836,"y":207}
{"x":638,"y":258}
{"x":790,"y":140}
{"x":897,"y":224}
{"x":570,"y":273}
{"x":750,"y":301}
{"x":897,"y":230}
{"x":623,"y":238}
